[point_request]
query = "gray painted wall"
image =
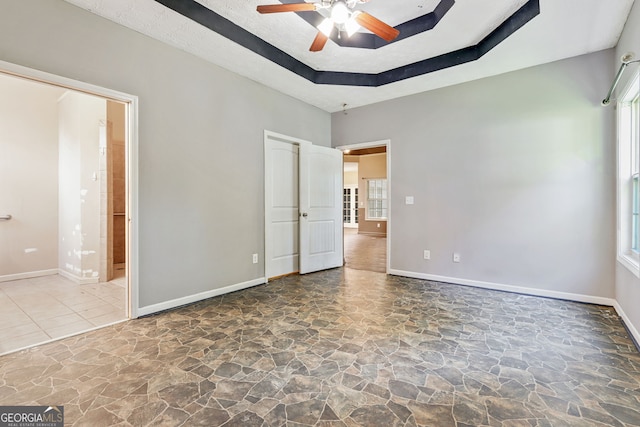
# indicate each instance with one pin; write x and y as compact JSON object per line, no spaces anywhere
{"x":514,"y":172}
{"x":200,"y":141}
{"x":627,"y":284}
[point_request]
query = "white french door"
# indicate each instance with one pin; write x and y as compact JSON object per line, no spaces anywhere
{"x":303,"y":206}
{"x":350,"y":206}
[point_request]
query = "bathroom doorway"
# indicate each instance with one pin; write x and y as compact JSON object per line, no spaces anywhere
{"x":61,"y":201}
{"x":114,"y":195}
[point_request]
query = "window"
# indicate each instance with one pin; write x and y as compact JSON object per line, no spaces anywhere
{"x":376,"y":199}
{"x":628,"y":176}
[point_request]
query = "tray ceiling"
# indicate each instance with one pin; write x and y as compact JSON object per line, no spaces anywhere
{"x":445,"y":42}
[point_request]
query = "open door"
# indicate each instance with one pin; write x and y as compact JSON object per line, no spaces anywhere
{"x":320,"y":208}
{"x":303,"y":206}
{"x":281,"y":208}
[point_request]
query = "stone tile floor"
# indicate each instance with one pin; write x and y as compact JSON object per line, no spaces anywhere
{"x":343,"y":348}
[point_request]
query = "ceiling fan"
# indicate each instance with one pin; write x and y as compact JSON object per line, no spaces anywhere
{"x":338,"y":14}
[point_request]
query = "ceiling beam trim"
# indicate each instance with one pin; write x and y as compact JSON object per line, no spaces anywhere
{"x":215,"y":22}
{"x":407,"y":29}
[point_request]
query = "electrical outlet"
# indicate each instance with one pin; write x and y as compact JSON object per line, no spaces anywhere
{"x":427,"y":254}
{"x":456,"y":257}
{"x":378,"y":225}
{"x":255,"y":258}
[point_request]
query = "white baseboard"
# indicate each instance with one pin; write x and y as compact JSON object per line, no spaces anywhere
{"x":28,"y":275}
{"x":77,"y":279}
{"x":372,"y":233}
{"x":630,"y":327}
{"x":150,"y":309}
{"x":509,"y":288}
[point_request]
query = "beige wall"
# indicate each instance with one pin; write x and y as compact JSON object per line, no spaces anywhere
{"x":28,"y":177}
{"x":80,"y":120}
{"x":370,"y":166}
{"x":351,"y":179}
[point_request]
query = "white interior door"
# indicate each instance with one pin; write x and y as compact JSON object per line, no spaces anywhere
{"x":321,"y":230}
{"x":303,"y":206}
{"x":281,"y":203}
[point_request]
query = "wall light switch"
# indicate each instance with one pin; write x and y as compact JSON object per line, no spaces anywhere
{"x":427,"y":254}
{"x":408,"y":200}
{"x":456,"y":257}
{"x":255,"y":258}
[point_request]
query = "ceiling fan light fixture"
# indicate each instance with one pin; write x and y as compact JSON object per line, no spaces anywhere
{"x":340,"y":12}
{"x":351,"y":26}
{"x":326,"y":27}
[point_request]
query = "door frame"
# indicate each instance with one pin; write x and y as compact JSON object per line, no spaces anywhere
{"x":306,"y":151}
{"x":131,"y":102}
{"x":269,"y":135}
{"x":380,"y":143}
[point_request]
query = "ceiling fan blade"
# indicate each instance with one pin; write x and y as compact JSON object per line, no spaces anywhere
{"x":319,"y":42}
{"x":295,"y":7}
{"x":376,"y":26}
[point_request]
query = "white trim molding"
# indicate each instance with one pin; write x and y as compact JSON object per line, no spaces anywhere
{"x":628,"y":323}
{"x":77,"y":279}
{"x":28,"y":275}
{"x":178,"y":302}
{"x":132,"y":160}
{"x":610,"y":302}
{"x":380,"y":143}
{"x":627,"y":156}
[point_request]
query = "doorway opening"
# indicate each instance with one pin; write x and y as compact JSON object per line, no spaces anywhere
{"x":366,"y":196}
{"x":65,"y":178}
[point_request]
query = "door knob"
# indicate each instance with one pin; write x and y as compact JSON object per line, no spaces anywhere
{"x":5,"y":217}
{"x":304,"y":214}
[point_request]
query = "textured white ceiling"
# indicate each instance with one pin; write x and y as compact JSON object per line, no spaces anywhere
{"x":564,"y":28}
{"x":293,"y":35}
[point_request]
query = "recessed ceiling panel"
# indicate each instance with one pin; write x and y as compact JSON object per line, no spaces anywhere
{"x":469,"y":34}
{"x":283,"y":40}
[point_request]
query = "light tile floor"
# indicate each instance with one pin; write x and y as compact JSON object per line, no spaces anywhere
{"x":37,"y":310}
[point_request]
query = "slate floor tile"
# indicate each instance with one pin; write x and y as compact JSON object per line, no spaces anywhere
{"x":343,"y":348}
